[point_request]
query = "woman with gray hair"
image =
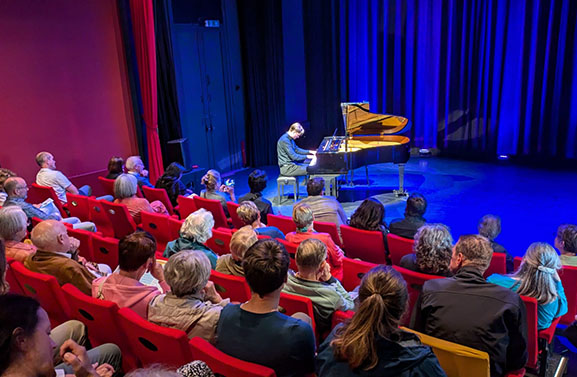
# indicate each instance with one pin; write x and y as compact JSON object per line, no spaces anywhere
{"x":13,"y":223}
{"x":192,"y":305}
{"x":537,"y":277}
{"x":194,"y":232}
{"x":125,"y":188}
{"x":433,"y":249}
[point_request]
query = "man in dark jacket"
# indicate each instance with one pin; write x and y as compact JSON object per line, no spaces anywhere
{"x":292,"y":160}
{"x":414,"y":212}
{"x":467,"y":310}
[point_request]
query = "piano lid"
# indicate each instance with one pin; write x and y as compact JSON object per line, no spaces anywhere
{"x":359,"y":120}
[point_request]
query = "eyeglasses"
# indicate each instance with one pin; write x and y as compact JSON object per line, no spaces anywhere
{"x":22,"y":187}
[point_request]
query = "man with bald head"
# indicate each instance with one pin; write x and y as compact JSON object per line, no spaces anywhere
{"x":57,"y":256}
{"x":17,"y":191}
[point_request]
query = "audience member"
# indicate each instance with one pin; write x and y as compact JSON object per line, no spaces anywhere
{"x":292,"y":160}
{"x":135,"y":167}
{"x":4,"y":175}
{"x":255,"y":331}
{"x":115,"y":167}
{"x":490,"y":227}
{"x":249,"y":214}
{"x":257,"y":183}
{"x":370,"y":215}
{"x":13,"y":223}
{"x":537,"y":277}
{"x":125,"y":188}
{"x":325,"y":208}
{"x":566,"y":243}
{"x":414,"y":211}
{"x":433,"y":249}
{"x":17,"y":191}
{"x":135,"y":258}
{"x":214,"y":190}
{"x":171,"y":183}
{"x":467,"y":310}
{"x":57,"y":255}
{"x":29,"y":348}
{"x":4,"y":286}
{"x":372,"y":344}
{"x":240,"y":242}
{"x":303,"y":218}
{"x":49,"y":176}
{"x":314,"y":280}
{"x":194,"y":232}
{"x":192,"y":305}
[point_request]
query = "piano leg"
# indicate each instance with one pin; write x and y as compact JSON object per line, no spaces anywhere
{"x":401,"y":191}
{"x":367,"y":174}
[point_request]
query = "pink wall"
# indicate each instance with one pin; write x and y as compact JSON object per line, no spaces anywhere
{"x":63,"y":86}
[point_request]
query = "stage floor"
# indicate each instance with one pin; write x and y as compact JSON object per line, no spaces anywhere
{"x":531,"y":202}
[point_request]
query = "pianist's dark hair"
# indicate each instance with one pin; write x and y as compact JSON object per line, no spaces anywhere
{"x":416,"y":205}
{"x":315,"y":186}
{"x":369,"y":216}
{"x":257,"y":181}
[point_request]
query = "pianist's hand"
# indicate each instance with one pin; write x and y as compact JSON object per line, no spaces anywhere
{"x":313,"y":152}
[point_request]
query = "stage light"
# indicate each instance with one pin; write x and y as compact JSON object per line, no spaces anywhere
{"x":503,"y":157}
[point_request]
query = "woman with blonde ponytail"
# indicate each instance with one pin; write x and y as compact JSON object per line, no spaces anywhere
{"x":372,"y":344}
{"x":537,"y":277}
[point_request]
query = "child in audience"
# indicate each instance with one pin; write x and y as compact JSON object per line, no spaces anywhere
{"x":566,"y":243}
{"x":255,"y":331}
{"x":537,"y":277}
{"x":433,"y":250}
{"x":372,"y":344}
{"x":490,"y":227}
{"x":314,"y":280}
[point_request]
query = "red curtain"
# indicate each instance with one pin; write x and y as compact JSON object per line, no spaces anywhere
{"x":143,"y":30}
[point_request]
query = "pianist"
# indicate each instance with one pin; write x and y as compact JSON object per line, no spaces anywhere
{"x":292,"y":160}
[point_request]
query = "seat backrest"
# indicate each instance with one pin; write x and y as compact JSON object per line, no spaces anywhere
{"x":236,"y":221}
{"x":85,"y":238}
{"x":174,"y":227}
{"x":220,"y":241}
{"x":498,"y":265}
{"x":45,"y":289}
{"x":214,"y":207}
{"x":105,"y":250}
{"x":366,"y":245}
{"x":284,"y":223}
{"x":228,"y":286}
{"x":291,"y":248}
{"x":340,"y":316}
{"x":353,"y":272}
{"x":517,"y":262}
{"x":99,"y":217}
{"x":186,"y":206}
{"x":101,"y":320}
{"x":153,"y":194}
{"x":291,"y":304}
{"x":37,"y":194}
{"x":455,"y":359}
{"x":568,"y":275}
{"x":121,"y":220}
{"x":399,"y":247}
{"x":152,"y":343}
{"x":157,"y":225}
{"x":330,"y":228}
{"x":78,"y":206}
{"x":532,"y":340}
{"x":107,"y":185}
{"x":11,"y":279}
{"x":415,"y":281}
{"x":225,"y":365}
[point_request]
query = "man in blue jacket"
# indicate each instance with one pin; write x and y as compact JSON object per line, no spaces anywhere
{"x":292,"y":160}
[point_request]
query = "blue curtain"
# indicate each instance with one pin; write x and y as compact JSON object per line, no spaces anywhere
{"x":474,"y":76}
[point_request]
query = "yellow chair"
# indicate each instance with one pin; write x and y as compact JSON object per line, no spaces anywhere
{"x":455,"y":359}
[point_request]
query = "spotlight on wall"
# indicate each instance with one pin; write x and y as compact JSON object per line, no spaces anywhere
{"x":503,"y":157}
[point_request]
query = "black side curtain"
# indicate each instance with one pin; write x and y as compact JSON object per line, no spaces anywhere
{"x":168,"y":111}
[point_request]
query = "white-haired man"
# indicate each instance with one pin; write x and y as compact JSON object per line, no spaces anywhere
{"x":135,"y":166}
{"x":49,"y":176}
{"x":292,"y":160}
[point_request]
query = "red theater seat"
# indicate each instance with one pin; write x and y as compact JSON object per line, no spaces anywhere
{"x":122,"y":222}
{"x":331,"y":229}
{"x":214,"y":207}
{"x":363,"y":244}
{"x":228,"y":286}
{"x":284,"y":223}
{"x":399,"y":247}
{"x":153,"y":194}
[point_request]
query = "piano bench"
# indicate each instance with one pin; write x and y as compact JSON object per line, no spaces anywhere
{"x":283,"y":181}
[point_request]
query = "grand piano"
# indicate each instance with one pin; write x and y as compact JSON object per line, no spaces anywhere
{"x":369,"y":139}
